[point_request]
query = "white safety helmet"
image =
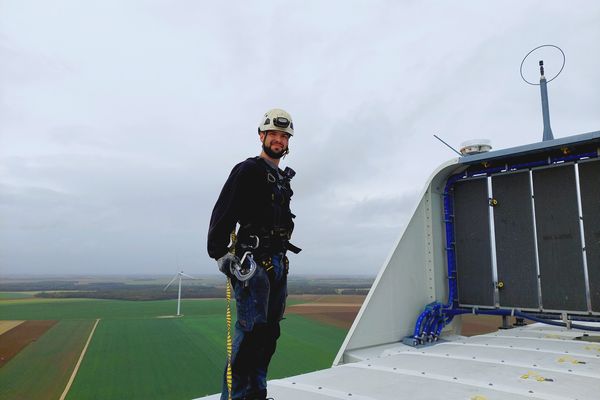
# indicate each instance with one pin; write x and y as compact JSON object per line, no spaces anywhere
{"x":276,"y":120}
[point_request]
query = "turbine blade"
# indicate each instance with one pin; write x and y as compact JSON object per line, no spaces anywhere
{"x":187,"y":276}
{"x":172,"y":280}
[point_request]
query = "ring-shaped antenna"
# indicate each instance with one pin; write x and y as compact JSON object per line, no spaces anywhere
{"x":539,"y":47}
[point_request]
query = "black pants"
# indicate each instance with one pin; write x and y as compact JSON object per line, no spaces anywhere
{"x":260,"y":306}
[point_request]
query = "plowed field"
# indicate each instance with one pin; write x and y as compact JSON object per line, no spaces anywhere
{"x":14,"y":340}
{"x":336,"y":310}
{"x":481,"y":324}
{"x":341,"y":310}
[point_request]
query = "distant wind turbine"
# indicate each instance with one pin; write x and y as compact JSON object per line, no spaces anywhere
{"x":179,"y":275}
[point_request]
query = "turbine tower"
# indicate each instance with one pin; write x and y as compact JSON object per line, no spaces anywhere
{"x":179,"y":275}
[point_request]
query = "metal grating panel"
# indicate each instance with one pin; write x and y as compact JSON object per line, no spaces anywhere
{"x":559,"y":241}
{"x":473,"y":253}
{"x":589,"y":180}
{"x":515,"y":241}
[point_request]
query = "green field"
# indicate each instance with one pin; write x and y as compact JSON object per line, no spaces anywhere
{"x":41,"y":370}
{"x":16,"y":295}
{"x":40,"y":308}
{"x":135,"y":355}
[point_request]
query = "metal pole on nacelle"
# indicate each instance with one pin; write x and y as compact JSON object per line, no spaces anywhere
{"x":179,"y":296}
{"x":547,"y":135}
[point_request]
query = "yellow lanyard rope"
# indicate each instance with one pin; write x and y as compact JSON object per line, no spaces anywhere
{"x":228,"y":320}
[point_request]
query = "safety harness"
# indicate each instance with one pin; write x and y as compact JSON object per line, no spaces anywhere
{"x":273,"y":236}
{"x":253,"y":243}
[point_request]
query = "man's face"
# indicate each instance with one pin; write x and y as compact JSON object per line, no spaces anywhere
{"x":275,"y":143}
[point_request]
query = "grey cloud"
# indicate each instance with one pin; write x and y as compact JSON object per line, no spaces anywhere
{"x":115,"y":142}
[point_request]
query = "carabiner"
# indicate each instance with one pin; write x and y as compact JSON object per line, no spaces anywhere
{"x":243,"y":274}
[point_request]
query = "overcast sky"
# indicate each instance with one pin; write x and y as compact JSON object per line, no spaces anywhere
{"x":121,"y":120}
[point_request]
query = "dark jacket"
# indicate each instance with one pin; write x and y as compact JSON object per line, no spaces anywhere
{"x":257,"y":196}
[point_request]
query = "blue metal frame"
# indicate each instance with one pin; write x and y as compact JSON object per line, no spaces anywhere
{"x":436,"y":315}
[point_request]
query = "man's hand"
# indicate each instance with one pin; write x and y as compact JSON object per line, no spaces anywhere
{"x":227,"y":263}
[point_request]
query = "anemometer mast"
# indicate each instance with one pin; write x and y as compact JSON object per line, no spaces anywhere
{"x":547,"y":135}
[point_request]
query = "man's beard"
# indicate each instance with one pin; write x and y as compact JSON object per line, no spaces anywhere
{"x":273,"y":154}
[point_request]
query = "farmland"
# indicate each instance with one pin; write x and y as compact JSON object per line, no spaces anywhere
{"x":138,"y":352}
{"x":150,"y":288}
{"x":15,"y":295}
{"x":16,"y":335}
{"x":41,"y":370}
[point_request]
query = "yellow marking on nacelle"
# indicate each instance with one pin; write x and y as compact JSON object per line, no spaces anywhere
{"x":536,"y":376}
{"x":553,"y":336}
{"x":593,"y":347}
{"x":570,"y":359}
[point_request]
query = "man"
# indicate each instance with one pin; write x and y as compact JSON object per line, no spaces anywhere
{"x":257,"y":197}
